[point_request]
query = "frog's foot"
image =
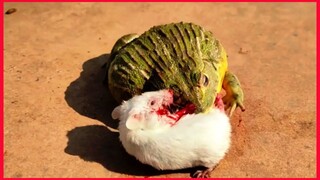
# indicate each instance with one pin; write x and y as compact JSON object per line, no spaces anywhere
{"x":233,"y":102}
{"x":234,"y":94}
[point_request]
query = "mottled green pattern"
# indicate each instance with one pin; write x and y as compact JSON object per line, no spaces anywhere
{"x":178,"y":56}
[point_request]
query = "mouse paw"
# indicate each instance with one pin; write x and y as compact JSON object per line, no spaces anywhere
{"x":203,"y":173}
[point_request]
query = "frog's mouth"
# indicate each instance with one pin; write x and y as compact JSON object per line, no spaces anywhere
{"x":174,"y":108}
{"x":175,"y":112}
{"x":182,"y":99}
{"x":177,"y":108}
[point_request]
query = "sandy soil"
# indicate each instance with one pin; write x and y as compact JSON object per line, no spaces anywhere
{"x":57,"y":111}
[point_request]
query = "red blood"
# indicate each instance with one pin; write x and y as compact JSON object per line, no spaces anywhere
{"x":189,"y":109}
{"x":219,"y":102}
{"x":171,"y":91}
{"x":167,"y":113}
{"x":162,"y":111}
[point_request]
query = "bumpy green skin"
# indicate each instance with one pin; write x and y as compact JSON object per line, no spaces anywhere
{"x":180,"y":56}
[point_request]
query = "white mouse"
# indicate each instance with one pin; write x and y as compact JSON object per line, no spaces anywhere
{"x":161,"y":139}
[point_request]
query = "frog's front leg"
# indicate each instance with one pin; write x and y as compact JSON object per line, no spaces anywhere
{"x":234,"y":94}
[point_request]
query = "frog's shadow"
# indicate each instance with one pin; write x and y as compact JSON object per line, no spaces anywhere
{"x":89,"y":96}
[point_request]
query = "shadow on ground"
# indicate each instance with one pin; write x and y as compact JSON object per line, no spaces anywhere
{"x":98,"y":144}
{"x":88,"y":96}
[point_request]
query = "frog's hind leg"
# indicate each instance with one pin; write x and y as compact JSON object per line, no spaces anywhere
{"x":121,"y":42}
{"x":234,"y":95}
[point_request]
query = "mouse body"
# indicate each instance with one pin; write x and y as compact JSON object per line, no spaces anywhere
{"x":168,"y":143}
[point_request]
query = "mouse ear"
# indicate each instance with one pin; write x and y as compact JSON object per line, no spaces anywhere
{"x":134,"y":120}
{"x":116,"y":112}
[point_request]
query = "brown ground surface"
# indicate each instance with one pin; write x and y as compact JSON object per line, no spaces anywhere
{"x":57,"y":112}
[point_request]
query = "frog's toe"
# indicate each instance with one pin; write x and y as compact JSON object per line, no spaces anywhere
{"x":234,"y":94}
{"x":232,"y":103}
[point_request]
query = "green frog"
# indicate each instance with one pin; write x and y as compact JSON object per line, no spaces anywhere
{"x":181,"y":56}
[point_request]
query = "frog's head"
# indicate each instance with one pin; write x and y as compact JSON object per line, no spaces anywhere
{"x":204,"y":89}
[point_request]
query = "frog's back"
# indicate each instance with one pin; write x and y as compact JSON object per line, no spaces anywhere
{"x":162,"y":53}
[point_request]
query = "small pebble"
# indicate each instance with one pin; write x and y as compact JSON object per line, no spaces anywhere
{"x":241,"y":51}
{"x":11,"y":10}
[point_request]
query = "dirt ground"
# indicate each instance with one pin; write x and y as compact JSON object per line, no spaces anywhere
{"x":57,"y":112}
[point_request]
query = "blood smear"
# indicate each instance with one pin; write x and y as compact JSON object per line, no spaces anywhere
{"x":189,"y":109}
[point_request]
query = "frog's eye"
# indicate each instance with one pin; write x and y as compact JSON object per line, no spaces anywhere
{"x":200,"y":79}
{"x":204,"y":80}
